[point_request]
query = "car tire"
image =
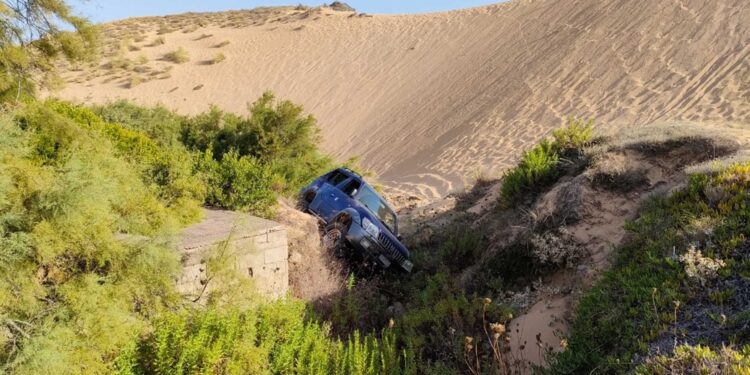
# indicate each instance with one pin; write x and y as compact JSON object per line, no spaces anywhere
{"x":334,"y":238}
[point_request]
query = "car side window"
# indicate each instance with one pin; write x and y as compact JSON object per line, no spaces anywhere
{"x":337,"y":178}
{"x":351,"y":187}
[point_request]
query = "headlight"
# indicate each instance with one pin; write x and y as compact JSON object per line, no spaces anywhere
{"x":370,"y":228}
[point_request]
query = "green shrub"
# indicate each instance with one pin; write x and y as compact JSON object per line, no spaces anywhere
{"x":68,"y":202}
{"x":461,"y":249}
{"x":540,"y":166}
{"x":537,"y":169}
{"x":633,"y":303}
{"x":274,"y":338}
{"x":159,"y":123}
{"x":238,"y":183}
{"x":168,"y":170}
{"x":277,"y":134}
{"x":576,"y":135}
{"x":699,"y":360}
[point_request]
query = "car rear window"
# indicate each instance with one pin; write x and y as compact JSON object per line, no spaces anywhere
{"x":336,"y":178}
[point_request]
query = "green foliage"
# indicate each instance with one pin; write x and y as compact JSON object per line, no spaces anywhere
{"x":158,"y":123}
{"x":84,"y":261}
{"x":242,"y":162}
{"x":537,"y":169}
{"x":699,"y":360}
{"x":34,"y":34}
{"x":576,"y":135}
{"x":540,"y":166}
{"x":275,"y":338}
{"x":87,"y":205}
{"x":276,"y":134}
{"x":632,"y":303}
{"x":238,"y":182}
{"x":169,"y":171}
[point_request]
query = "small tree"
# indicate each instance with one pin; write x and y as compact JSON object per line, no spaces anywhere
{"x":32,"y":36}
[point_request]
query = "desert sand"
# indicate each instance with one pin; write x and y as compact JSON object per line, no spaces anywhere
{"x":428,"y":100}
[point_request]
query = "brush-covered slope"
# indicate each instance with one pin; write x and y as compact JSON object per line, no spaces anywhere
{"x":426,"y":100}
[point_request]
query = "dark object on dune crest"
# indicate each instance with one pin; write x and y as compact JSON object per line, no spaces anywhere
{"x":341,"y":7}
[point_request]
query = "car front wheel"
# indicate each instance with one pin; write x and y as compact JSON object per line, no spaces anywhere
{"x":334,"y":239}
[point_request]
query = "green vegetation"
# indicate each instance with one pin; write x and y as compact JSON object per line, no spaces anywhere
{"x":274,"y":338}
{"x":30,"y":44}
{"x":90,"y":199}
{"x":699,"y":360}
{"x":244,"y":162}
{"x":541,"y":166}
{"x":640,"y":298}
{"x":87,"y":206}
{"x":277,"y":134}
{"x":83,"y":236}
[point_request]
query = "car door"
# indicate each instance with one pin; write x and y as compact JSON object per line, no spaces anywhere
{"x":327,"y":194}
{"x":338,"y":198}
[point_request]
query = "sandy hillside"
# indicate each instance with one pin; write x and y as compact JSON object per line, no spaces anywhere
{"x":428,"y":100}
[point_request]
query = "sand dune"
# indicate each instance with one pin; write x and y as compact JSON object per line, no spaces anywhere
{"x":427,"y":100}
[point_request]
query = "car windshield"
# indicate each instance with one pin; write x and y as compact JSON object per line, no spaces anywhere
{"x":375,"y":204}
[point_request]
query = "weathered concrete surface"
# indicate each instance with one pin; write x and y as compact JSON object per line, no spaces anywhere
{"x":257,"y":248}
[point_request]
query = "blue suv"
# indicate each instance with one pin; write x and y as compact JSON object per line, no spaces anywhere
{"x":356,"y":217}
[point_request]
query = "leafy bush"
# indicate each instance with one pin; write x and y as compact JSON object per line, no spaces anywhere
{"x":461,"y":249}
{"x":159,"y":123}
{"x":275,"y":148}
{"x":238,"y":182}
{"x":88,"y":202}
{"x":80,"y":235}
{"x":277,"y":134}
{"x":168,"y":170}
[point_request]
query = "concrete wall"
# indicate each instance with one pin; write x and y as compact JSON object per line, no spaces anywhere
{"x":256,"y":247}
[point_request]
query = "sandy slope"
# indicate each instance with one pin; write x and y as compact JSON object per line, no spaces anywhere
{"x":427,"y":100}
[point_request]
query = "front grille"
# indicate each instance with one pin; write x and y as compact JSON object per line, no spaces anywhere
{"x":390,"y":249}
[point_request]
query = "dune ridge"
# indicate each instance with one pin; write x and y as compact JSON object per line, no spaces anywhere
{"x":428,"y":100}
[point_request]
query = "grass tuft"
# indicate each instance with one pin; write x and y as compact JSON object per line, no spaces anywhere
{"x":178,"y":56}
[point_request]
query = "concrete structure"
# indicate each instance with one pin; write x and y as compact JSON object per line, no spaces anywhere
{"x":257,"y":248}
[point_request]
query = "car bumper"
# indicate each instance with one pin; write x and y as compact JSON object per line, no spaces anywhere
{"x":368,"y":246}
